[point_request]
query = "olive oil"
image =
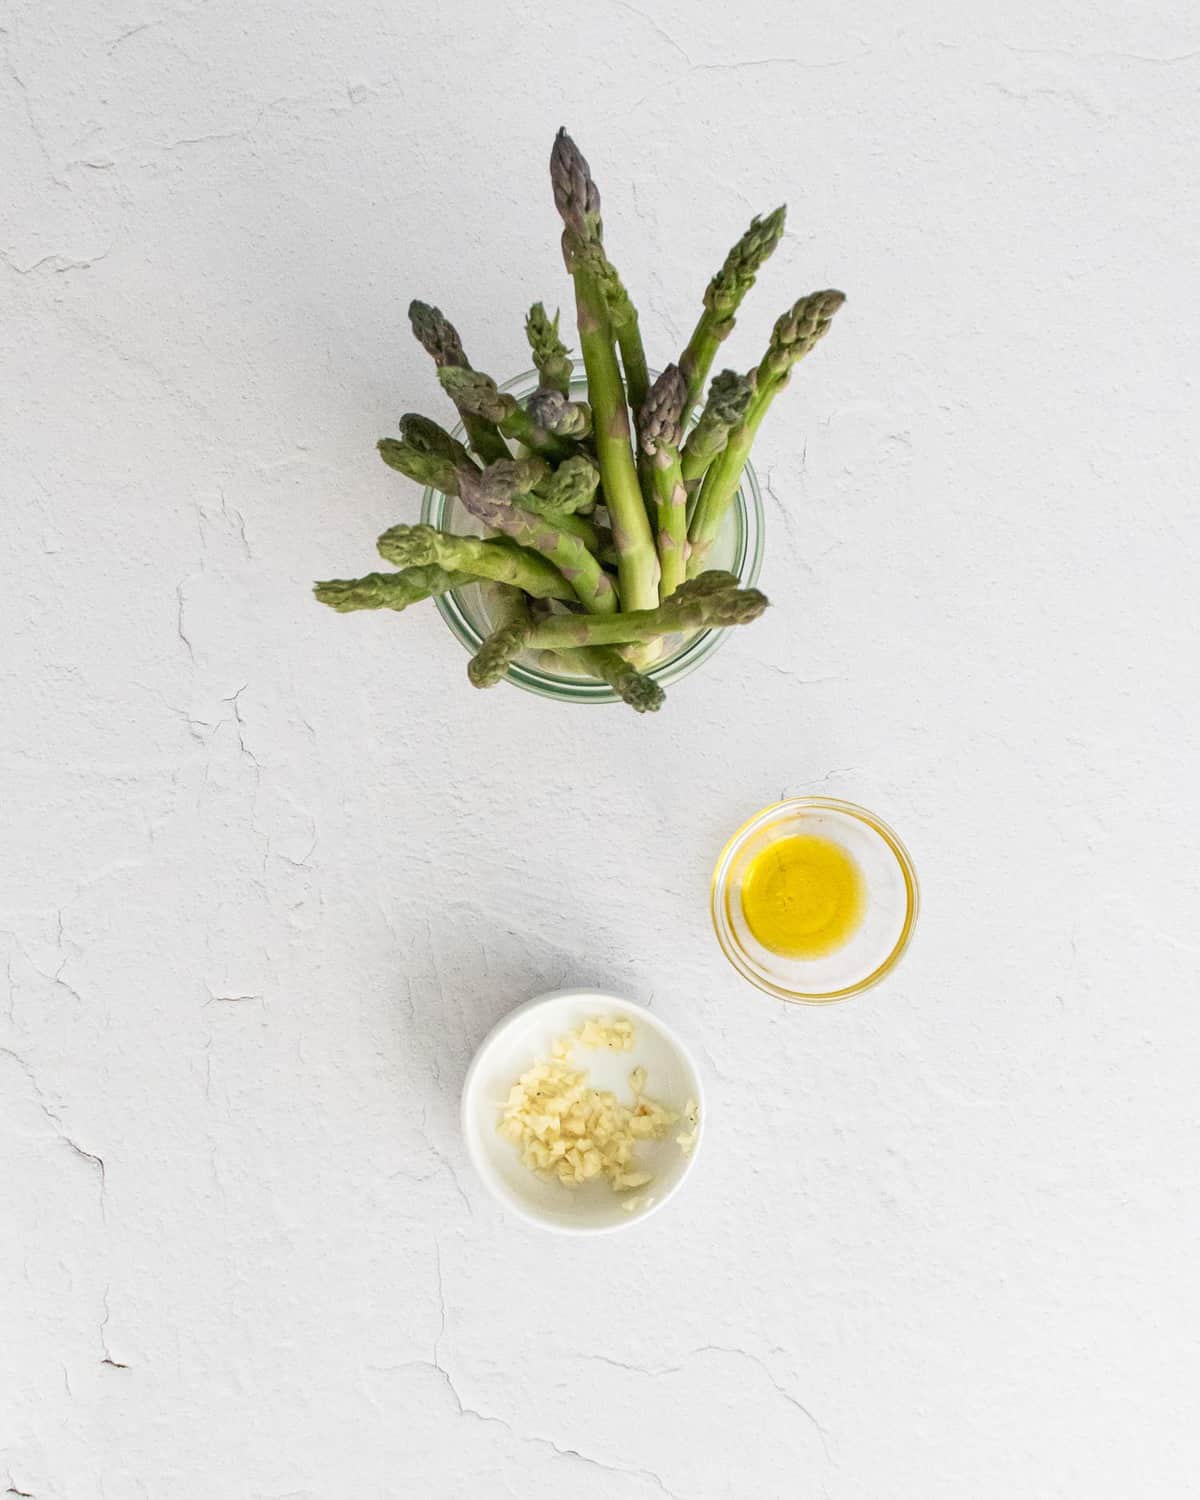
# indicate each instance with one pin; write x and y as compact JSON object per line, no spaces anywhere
{"x":803,"y":896}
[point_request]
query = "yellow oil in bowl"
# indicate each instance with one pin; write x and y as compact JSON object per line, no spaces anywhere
{"x":803,"y":896}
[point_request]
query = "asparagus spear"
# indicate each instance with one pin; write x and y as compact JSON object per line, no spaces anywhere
{"x":660,"y":431}
{"x":549,"y":352}
{"x":389,"y":590}
{"x":545,"y":493}
{"x":436,"y":335}
{"x":642,"y":693}
{"x":571,"y":488}
{"x":481,"y":397}
{"x":433,"y":470}
{"x":551,"y":410}
{"x":511,"y":626}
{"x":474,"y":557}
{"x":578,"y":201}
{"x":597,"y":539}
{"x":427,"y":438}
{"x":723,"y":297}
{"x":728,"y":398}
{"x":703,"y":603}
{"x":441,"y":473}
{"x":794,"y":335}
{"x":563,"y":492}
{"x":512,"y":620}
{"x":576,"y":195}
{"x":623,"y":319}
{"x":489,"y":497}
{"x":553,"y":496}
{"x":439,"y":338}
{"x":512,"y":623}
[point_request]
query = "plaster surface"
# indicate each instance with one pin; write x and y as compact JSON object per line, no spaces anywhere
{"x":269,"y":874}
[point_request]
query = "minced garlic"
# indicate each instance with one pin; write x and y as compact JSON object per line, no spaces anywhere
{"x":573,"y":1133}
{"x":616,"y":1034}
{"x":691,"y":1118}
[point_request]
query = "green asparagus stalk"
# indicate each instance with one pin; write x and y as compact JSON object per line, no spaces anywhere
{"x":479,"y":395}
{"x":389,"y":590}
{"x":551,"y":410}
{"x":439,"y":338}
{"x":723,"y":297}
{"x":433,"y":470}
{"x":490,"y":498}
{"x":794,"y":335}
{"x":550,"y":354}
{"x":439,"y":473}
{"x":642,"y":693}
{"x":578,"y":201}
{"x":495,"y":558}
{"x":553,"y":495}
{"x":576,"y":195}
{"x":728,"y":400}
{"x":703,"y":603}
{"x":569,"y":490}
{"x":597,"y":539}
{"x":427,"y":438}
{"x":660,"y":432}
{"x":436,"y":335}
{"x":623,"y":320}
{"x":512,"y":622}
{"x":532,"y":478}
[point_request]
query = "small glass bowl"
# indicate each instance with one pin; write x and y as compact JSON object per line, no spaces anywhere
{"x":738,"y":549}
{"x":875,"y":947}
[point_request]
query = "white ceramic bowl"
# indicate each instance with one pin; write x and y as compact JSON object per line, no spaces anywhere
{"x":516,"y":1042}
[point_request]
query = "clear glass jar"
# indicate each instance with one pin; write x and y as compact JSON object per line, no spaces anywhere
{"x":738,"y":549}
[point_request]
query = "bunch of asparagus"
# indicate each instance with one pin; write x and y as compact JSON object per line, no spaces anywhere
{"x":598,"y":534}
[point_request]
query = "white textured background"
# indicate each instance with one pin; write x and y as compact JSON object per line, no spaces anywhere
{"x":268,"y":874}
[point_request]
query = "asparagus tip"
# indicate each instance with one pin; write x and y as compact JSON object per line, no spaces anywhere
{"x":408,"y":546}
{"x":474,"y":393}
{"x":729,"y":397}
{"x":642,"y":693}
{"x":576,"y":195}
{"x":743,"y":263}
{"x":436,"y":334}
{"x":488,"y":495}
{"x":660,"y":420}
{"x":497,"y":653}
{"x":797,"y":331}
{"x":546,"y":407}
